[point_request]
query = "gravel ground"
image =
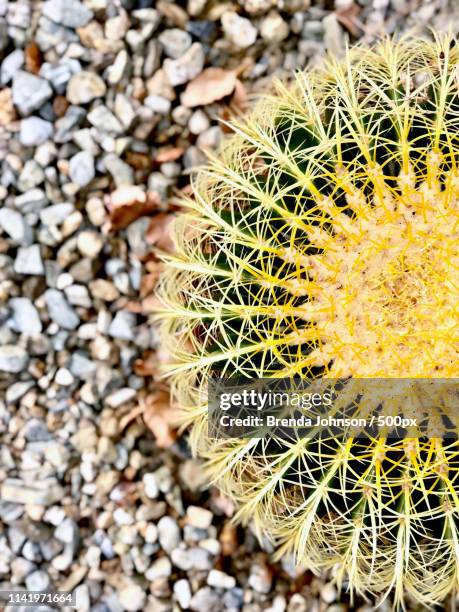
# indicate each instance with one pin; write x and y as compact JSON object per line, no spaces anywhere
{"x":105,"y":109}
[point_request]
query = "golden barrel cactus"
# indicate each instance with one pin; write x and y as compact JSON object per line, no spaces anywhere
{"x":323,"y":241}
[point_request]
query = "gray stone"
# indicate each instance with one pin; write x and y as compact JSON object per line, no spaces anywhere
{"x":28,"y":261}
{"x":168,"y":533}
{"x":186,"y":67}
{"x":205,"y":600}
{"x":81,"y":168}
{"x":26,"y":319}
{"x":60,"y":74}
{"x":175,"y":42}
{"x":31,"y":176}
{"x":182,"y":592}
{"x":56,"y":214}
{"x":38,"y":581}
{"x":69,"y":13}
{"x":84,"y":87}
{"x":122,"y":326}
{"x":31,"y":201}
{"x":120,"y":397}
{"x":68,"y":533}
{"x":30,"y":92}
{"x":60,"y":310}
{"x":238,"y":30}
{"x":10,"y":65}
{"x":103,"y":119}
{"x":18,"y":390}
{"x":65,"y":125}
{"x":136,"y":235}
{"x":13,"y":359}
{"x":121,"y":172}
{"x":14,"y":224}
{"x":44,"y":492}
{"x":35,"y":131}
{"x":81,"y":366}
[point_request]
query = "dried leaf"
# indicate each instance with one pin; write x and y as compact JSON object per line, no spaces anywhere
{"x":211,"y":85}
{"x":160,"y":418}
{"x":33,"y":58}
{"x":240,"y":100}
{"x":159,"y":232}
{"x":128,"y":203}
{"x":348,"y":19}
{"x":169,"y":154}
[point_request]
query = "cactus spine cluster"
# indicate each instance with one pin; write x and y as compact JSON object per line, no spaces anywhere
{"x":323,"y":240}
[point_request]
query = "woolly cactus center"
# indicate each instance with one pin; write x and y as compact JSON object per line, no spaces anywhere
{"x":390,"y":283}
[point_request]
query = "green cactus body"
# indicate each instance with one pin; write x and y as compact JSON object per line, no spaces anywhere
{"x":323,"y":240}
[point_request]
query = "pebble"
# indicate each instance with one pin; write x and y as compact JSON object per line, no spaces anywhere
{"x":28,"y":261}
{"x":198,"y":122}
{"x":175,"y":42}
{"x":198,"y":517}
{"x":120,"y":397}
{"x":205,"y":600}
{"x":273,"y":28}
{"x":13,"y":223}
{"x":328,"y":593}
{"x":122,"y":326}
{"x":69,"y":13}
{"x":60,"y":310}
{"x":90,"y":243}
{"x":132,"y":597}
{"x":81,"y":168}
{"x":30,"y":92}
{"x":56,"y":213}
{"x":10,"y":65}
{"x":168,"y":534}
{"x":239,"y":30}
{"x":84,"y":87}
{"x":26,"y":319}
{"x":43,"y":493}
{"x":260,"y":578}
{"x":186,"y":67}
{"x":13,"y":359}
{"x":182,"y":592}
{"x":103,"y":119}
{"x":64,"y":377}
{"x":220,"y":580}
{"x":35,"y":131}
{"x":38,"y":581}
{"x":161,"y":568}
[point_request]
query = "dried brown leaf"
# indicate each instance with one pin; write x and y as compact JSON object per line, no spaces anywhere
{"x":128,"y":203}
{"x":33,"y":57}
{"x":159,"y":232}
{"x":161,"y":418}
{"x":211,"y":85}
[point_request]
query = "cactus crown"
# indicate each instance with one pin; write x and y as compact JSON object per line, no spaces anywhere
{"x":323,"y":240}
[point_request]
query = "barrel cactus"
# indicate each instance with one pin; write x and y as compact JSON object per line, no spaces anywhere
{"x":323,"y":241}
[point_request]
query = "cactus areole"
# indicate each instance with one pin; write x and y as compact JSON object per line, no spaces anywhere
{"x":323,"y":241}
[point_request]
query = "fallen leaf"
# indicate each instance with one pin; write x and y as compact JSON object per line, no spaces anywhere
{"x":33,"y":58}
{"x":211,"y":85}
{"x":347,"y":18}
{"x":239,"y":99}
{"x":169,"y":154}
{"x":128,"y":203}
{"x":159,"y":232}
{"x":161,"y":418}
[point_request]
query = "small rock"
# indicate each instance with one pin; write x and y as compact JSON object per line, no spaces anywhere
{"x":10,"y":65}
{"x":90,"y":243}
{"x":84,"y":87}
{"x":260,"y":578}
{"x":26,"y":319}
{"x":64,"y":377}
{"x":81,"y":168}
{"x":273,"y":28}
{"x":28,"y":261}
{"x":175,"y":42}
{"x":56,"y":214}
{"x":198,"y":517}
{"x":158,"y":104}
{"x":82,"y":598}
{"x":44,"y":493}
{"x":38,"y":581}
{"x":161,"y":568}
{"x":333,"y":35}
{"x":199,"y":122}
{"x":35,"y":131}
{"x":132,"y":597}
{"x":120,"y":397}
{"x":150,"y":486}
{"x":239,"y":30}
{"x":13,"y":359}
{"x":103,"y":119}
{"x":168,"y":533}
{"x":205,"y":600}
{"x":13,"y":223}
{"x":186,"y":67}
{"x":328,"y":593}
{"x":60,"y":310}
{"x":122,"y":326}
{"x":30,"y":92}
{"x":69,"y":13}
{"x":220,"y":580}
{"x":182,"y":592}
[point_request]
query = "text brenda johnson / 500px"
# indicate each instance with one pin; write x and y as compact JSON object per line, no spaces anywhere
{"x":357,"y":408}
